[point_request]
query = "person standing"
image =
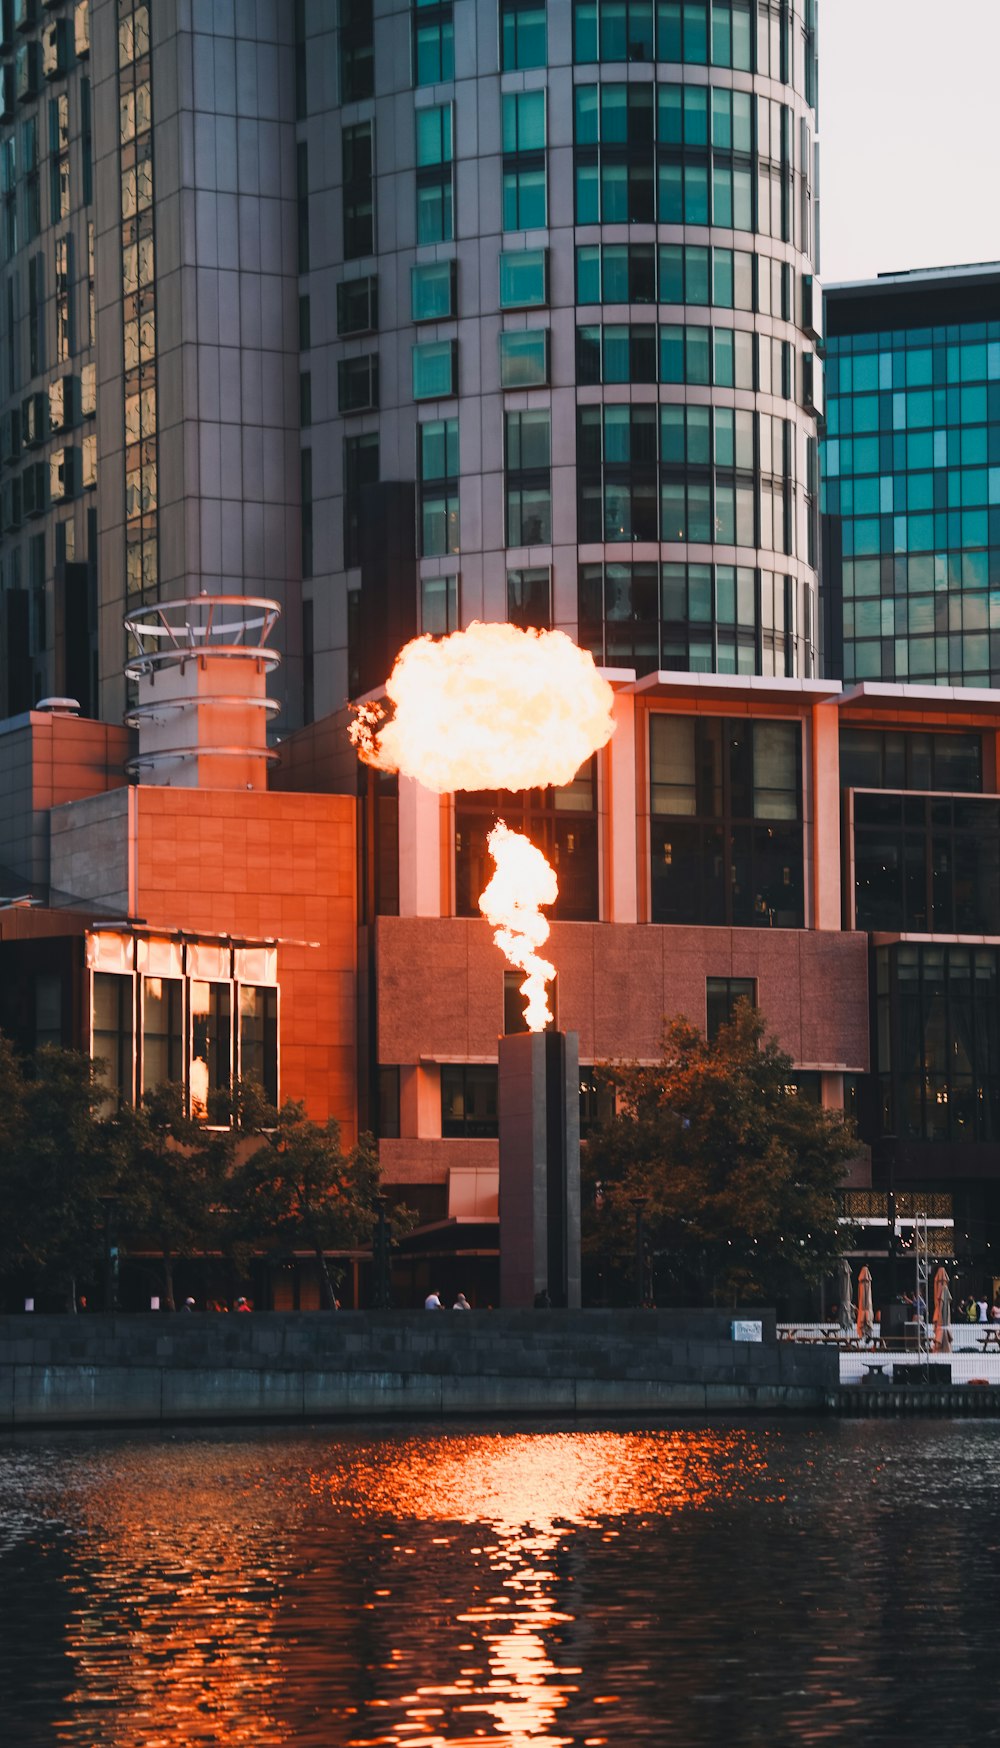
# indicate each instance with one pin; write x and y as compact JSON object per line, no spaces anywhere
{"x":461,"y":1303}
{"x":433,"y":1301}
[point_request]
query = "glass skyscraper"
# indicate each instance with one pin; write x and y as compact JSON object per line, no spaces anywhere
{"x":911,"y":478}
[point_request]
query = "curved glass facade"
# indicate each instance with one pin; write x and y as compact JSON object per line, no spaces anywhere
{"x":594,"y":256}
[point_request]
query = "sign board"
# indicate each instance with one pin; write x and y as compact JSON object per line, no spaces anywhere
{"x":747,"y":1329}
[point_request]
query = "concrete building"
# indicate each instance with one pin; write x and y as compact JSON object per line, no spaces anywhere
{"x":911,"y":487}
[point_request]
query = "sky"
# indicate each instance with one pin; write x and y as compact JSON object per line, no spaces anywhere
{"x":909,"y":135}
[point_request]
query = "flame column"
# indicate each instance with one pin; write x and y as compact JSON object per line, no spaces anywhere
{"x":540,"y":1169}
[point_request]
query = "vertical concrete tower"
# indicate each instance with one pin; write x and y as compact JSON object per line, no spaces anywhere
{"x":539,"y":1106}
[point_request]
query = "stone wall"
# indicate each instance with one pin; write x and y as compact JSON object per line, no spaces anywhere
{"x":94,"y":1370}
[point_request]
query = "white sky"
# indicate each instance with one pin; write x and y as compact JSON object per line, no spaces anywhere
{"x":909,"y":135}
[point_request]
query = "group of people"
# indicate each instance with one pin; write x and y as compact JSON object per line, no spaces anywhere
{"x":240,"y":1304}
{"x":434,"y":1302}
{"x":976,"y":1311}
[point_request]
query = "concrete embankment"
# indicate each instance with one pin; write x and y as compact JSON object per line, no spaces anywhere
{"x":151,"y":1370}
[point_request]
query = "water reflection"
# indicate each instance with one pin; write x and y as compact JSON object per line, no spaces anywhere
{"x":681,"y":1586}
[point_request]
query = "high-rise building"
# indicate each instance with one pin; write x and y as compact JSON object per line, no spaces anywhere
{"x":911,"y":478}
{"x":455,"y":312}
{"x":563,"y":330}
{"x":149,"y":343}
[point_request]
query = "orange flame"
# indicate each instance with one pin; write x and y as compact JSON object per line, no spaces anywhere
{"x":523,"y":881}
{"x":492,"y":707}
{"x":495,"y":707}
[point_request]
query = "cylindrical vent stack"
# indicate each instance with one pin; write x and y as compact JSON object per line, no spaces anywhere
{"x":201,"y":668}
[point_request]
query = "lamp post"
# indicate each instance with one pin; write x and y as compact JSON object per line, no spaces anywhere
{"x":889,"y":1144}
{"x":639,"y":1204}
{"x":110,"y":1205}
{"x":381,"y":1290}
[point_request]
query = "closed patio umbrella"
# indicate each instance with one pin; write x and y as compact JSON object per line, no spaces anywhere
{"x":866,"y":1315}
{"x":942,"y":1311}
{"x":846,"y":1311}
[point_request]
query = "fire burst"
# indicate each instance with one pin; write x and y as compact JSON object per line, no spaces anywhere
{"x":494,"y":707}
{"x":523,"y":882}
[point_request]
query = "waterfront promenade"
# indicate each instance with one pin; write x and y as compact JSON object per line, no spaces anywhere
{"x":160,"y":1369}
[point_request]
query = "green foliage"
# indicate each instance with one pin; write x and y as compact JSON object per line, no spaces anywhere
{"x":173,"y":1174}
{"x":305,"y":1192}
{"x":57,"y":1160}
{"x":737,"y":1176}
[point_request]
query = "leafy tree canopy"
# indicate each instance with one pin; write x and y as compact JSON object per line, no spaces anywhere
{"x":735,"y":1173}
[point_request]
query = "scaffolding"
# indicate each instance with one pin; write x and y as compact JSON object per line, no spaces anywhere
{"x":922,"y":1255}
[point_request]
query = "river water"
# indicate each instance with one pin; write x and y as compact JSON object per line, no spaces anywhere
{"x":767,"y":1582}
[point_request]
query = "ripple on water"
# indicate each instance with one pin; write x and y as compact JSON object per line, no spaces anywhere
{"x":680,"y":1585}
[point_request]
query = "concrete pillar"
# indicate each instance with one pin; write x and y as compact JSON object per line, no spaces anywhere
{"x":419,"y":850}
{"x":539,"y":1168}
{"x":825,"y":815}
{"x":621,"y":883}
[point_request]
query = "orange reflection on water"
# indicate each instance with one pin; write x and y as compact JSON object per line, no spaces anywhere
{"x":533,"y":1490}
{"x":542,"y":1479}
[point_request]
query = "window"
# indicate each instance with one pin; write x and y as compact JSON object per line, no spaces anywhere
{"x":358,"y":190}
{"x":113,"y":1033}
{"x":162,"y":1031}
{"x":694,"y":31}
{"x":677,"y":153}
{"x":433,"y":45}
{"x":306,"y":510}
{"x":361,"y":465}
{"x":259,"y":1038}
{"x":726,"y":825}
{"x":936,"y":1046}
{"x":524,"y":193}
{"x":439,"y":605}
{"x":562,"y":822}
{"x":357,"y":65}
{"x":529,"y":480}
{"x":469,"y":1099}
{"x":873,"y":758}
{"x":435,"y":370}
{"x":438,"y":455}
{"x":357,"y":308}
{"x":524,"y":279}
{"x":721,"y":997}
{"x":357,"y":383}
{"x":435,"y":219}
{"x":302,"y":202}
{"x":524,"y":358}
{"x":433,"y":291}
{"x":927,"y":864}
{"x":211,"y":1068}
{"x":523,"y":36}
{"x":619,"y":616}
{"x":529,"y":598}
{"x":59,"y":196}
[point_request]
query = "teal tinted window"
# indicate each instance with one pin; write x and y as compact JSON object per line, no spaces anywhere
{"x":434,"y":135}
{"x":523,"y":121}
{"x":523,"y":279}
{"x":524,"y":358}
{"x":523,"y":37}
{"x":432,"y":291}
{"x":434,"y":370}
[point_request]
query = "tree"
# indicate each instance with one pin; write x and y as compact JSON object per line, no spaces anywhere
{"x":736,"y":1174}
{"x":57,"y":1160}
{"x":173,"y":1176}
{"x":302,"y":1190}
